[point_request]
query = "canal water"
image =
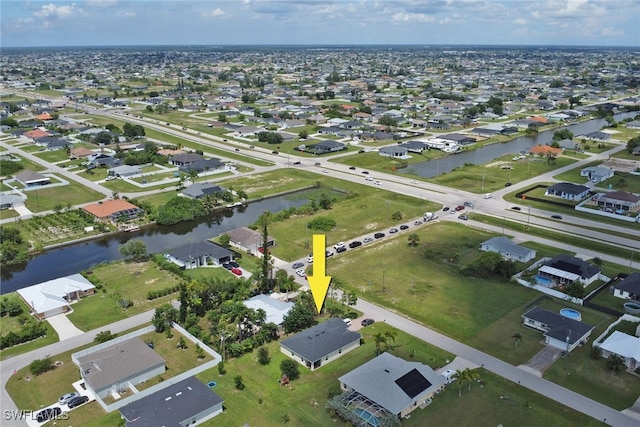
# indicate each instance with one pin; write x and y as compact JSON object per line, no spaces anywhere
{"x":486,"y":154}
{"x":76,"y":257}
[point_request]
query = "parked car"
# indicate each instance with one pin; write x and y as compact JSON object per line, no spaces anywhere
{"x":310,"y":258}
{"x":367,"y":322}
{"x":347,"y":321}
{"x":328,"y":253}
{"x":488,"y":196}
{"x":338,"y":245}
{"x":236,"y":271}
{"x":48,"y":414}
{"x":234,"y":264}
{"x":77,"y":401}
{"x":365,"y":172}
{"x":367,"y":240}
{"x":340,"y":250}
{"x":261,"y":250}
{"x":297,"y":265}
{"x":515,"y":208}
{"x":459,"y":208}
{"x":352,"y":168}
{"x":378,"y":235}
{"x":463,"y":217}
{"x":404,"y":227}
{"x":300,"y":272}
{"x":393,"y":231}
{"x":355,"y":244}
{"x":67,"y":397}
{"x":417,"y":222}
{"x":468,"y":204}
{"x":446,"y":208}
{"x":360,"y":151}
{"x":556,"y":216}
{"x":227,"y":266}
{"x":508,"y":184}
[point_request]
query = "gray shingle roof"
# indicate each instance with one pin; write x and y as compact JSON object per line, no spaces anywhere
{"x":568,"y":187}
{"x":320,"y":340}
{"x":559,"y":327}
{"x":503,"y":244}
{"x":171,"y":405}
{"x":630,"y":284}
{"x":574,"y":265}
{"x":198,"y":249}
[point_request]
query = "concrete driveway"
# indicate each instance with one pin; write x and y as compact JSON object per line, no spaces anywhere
{"x":63,"y":327}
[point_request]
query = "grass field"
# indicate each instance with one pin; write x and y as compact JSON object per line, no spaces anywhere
{"x":73,"y":194}
{"x":131,"y":281}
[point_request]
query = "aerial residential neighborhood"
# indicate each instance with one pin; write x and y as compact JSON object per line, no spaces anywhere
{"x":166,"y":210}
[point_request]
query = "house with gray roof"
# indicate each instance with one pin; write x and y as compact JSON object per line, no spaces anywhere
{"x":30,"y":178}
{"x":597,"y":136}
{"x":203,"y":165}
{"x":568,"y":191}
{"x":389,"y":385}
{"x":596,"y":173}
{"x":111,"y":369}
{"x":321,"y":344}
{"x":560,"y":332}
{"x":11,"y":200}
{"x":326,"y":146}
{"x":125,"y":170}
{"x":628,"y":288}
{"x":395,"y":151}
{"x":459,"y":138}
{"x":187,"y":402}
{"x":248,"y":239}
{"x":619,"y":200}
{"x":199,"y":254}
{"x":414,"y":146}
{"x":564,"y":270}
{"x":198,"y":190}
{"x":274,"y":308}
{"x":507,"y":249}
{"x":184,"y":159}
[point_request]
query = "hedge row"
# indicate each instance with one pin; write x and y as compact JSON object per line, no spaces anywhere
{"x":151,"y":295}
{"x":30,"y":331}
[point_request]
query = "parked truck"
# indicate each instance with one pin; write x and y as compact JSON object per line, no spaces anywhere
{"x":428,"y":216}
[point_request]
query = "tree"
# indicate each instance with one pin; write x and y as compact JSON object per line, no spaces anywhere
{"x":595,"y":353}
{"x":470,"y":376}
{"x":265,"y":266}
{"x":304,"y":134}
{"x":413,"y":239}
{"x":290,"y":368}
{"x":133,"y":250}
{"x":238,"y":382}
{"x":164,"y":316}
{"x":378,"y":340}
{"x":104,"y":336}
{"x":615,"y":363}
{"x":301,"y":316}
{"x":633,"y":143}
{"x":396,"y":216}
{"x":224,"y":240}
{"x":390,"y":337}
{"x":40,"y":366}
{"x":263,"y":356}
{"x":516,"y":338}
{"x":459,"y":377}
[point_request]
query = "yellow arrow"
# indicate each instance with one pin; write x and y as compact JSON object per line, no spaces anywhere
{"x":319,"y":281}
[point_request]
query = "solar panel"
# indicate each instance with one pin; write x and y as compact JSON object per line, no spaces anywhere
{"x":413,"y":383}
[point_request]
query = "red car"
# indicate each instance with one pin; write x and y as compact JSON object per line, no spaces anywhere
{"x":261,"y":250}
{"x":459,"y":208}
{"x":236,"y":271}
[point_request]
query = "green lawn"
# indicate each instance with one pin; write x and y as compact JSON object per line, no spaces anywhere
{"x":52,"y":156}
{"x":73,"y":194}
{"x":131,"y":281}
{"x":420,"y":283}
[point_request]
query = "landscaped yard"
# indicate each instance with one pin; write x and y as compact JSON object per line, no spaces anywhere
{"x":131,"y":281}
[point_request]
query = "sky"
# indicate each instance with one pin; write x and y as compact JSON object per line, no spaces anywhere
{"x":319,"y":22}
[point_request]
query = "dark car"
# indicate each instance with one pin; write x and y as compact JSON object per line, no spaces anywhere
{"x":360,"y":151}
{"x":352,"y":168}
{"x":48,"y":414}
{"x":469,"y":204}
{"x":77,"y":401}
{"x":367,"y":322}
{"x":463,"y":217}
{"x":341,"y":249}
{"x":297,"y":163}
{"x":297,"y":265}
{"x":515,"y":208}
{"x":274,"y":152}
{"x":556,"y":216}
{"x":365,"y":172}
{"x":404,"y":227}
{"x":378,"y":235}
{"x":459,"y":208}
{"x":446,"y":208}
{"x":355,"y":244}
{"x":508,"y":184}
{"x":227,"y":266}
{"x":234,"y":264}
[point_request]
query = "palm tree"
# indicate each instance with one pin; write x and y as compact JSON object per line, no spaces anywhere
{"x":516,"y":338}
{"x":390,"y":336}
{"x":413,"y":239}
{"x":459,"y":377}
{"x":470,"y":376}
{"x":379,"y":339}
{"x":615,"y":363}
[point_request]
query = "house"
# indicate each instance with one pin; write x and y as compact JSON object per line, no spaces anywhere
{"x":248,"y":239}
{"x":53,"y":297}
{"x":113,"y":210}
{"x":506,"y":248}
{"x":459,"y":138}
{"x":184,"y":159}
{"x":597,"y":136}
{"x":623,"y":345}
{"x":187,"y":402}
{"x":202,"y":165}
{"x":125,"y":170}
{"x":619,"y":201}
{"x":395,"y":151}
{"x":326,"y":146}
{"x":414,"y":146}
{"x":597,"y":173}
{"x":545,"y":150}
{"x":199,"y":254}
{"x":560,"y":332}
{"x":36,"y":133}
{"x":198,"y":190}
{"x":567,"y":190}
{"x":275,"y":309}
{"x":628,"y":288}
{"x":113,"y":367}
{"x":52,"y":143}
{"x":565,"y":270}
{"x":80,"y":153}
{"x":11,"y":200}
{"x":248,"y":131}
{"x":389,"y":385}
{"x":30,"y":178}
{"x":321,"y":344}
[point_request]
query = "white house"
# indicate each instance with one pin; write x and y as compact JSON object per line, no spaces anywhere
{"x":508,"y":249}
{"x":623,"y":345}
{"x":53,"y":297}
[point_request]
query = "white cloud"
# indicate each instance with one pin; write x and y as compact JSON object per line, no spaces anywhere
{"x":52,"y":11}
{"x":216,"y":13}
{"x":126,"y":14}
{"x":520,"y":21}
{"x":412,"y":17}
{"x":611,"y":32}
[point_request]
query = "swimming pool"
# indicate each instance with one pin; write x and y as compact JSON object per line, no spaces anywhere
{"x":543,"y":281}
{"x":571,"y":314}
{"x":367,"y":416}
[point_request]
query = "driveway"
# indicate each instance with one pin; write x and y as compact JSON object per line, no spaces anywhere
{"x":63,"y":327}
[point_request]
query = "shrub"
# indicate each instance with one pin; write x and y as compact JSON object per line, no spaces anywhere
{"x":238,"y":382}
{"x":40,"y":366}
{"x":322,"y":224}
{"x":263,"y":356}
{"x":290,"y":369}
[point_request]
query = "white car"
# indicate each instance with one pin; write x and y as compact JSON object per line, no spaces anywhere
{"x":325,"y":170}
{"x":369,"y":178}
{"x":488,"y":196}
{"x":310,"y":258}
{"x":377,"y":183}
{"x":338,"y":245}
{"x":301,"y":273}
{"x":347,"y":321}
